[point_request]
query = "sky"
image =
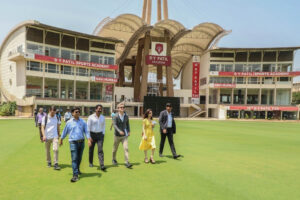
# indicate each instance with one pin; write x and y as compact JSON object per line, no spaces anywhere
{"x":254,"y":23}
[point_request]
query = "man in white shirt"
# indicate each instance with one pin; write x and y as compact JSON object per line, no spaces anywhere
{"x":67,"y":115}
{"x":96,"y":128}
{"x":51,"y":133}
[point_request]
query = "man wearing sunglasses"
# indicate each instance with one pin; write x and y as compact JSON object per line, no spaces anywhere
{"x":77,"y":129}
{"x":96,"y":128}
{"x":122,"y":131}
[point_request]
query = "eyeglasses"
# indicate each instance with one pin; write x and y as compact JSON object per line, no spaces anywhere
{"x":121,"y":107}
{"x":77,"y":111}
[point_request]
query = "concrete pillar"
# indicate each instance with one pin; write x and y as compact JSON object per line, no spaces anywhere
{"x":259,"y":97}
{"x":132,"y":75}
{"x":149,"y":10}
{"x":246,"y":94}
{"x":82,"y":111}
{"x":281,"y":115}
{"x":166,"y":15}
{"x":74,"y":90}
{"x":169,"y":74}
{"x":275,"y":94}
{"x":59,"y":88}
{"x":138,"y":70}
{"x":43,"y":88}
{"x":218,"y":95}
{"x":121,"y":75}
{"x":158,"y":10}
{"x":266,"y":114}
{"x":232,"y":96}
{"x":239,"y":117}
{"x":144,"y":10}
{"x":207,"y":102}
{"x":138,"y":111}
{"x":89,"y":90}
{"x":159,"y":79}
{"x":144,"y":83}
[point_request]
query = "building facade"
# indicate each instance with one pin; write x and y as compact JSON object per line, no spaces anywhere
{"x":248,"y":83}
{"x":41,"y":65}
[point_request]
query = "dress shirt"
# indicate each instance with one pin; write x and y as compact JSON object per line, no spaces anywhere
{"x":96,"y":124}
{"x":39,"y":117}
{"x":170,"y":120}
{"x":77,"y":129}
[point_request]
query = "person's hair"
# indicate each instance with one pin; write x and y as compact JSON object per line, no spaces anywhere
{"x":121,"y":104}
{"x":67,"y":109}
{"x":52,"y":108}
{"x":169,"y":105}
{"x":74,"y":109}
{"x":147,"y":113}
{"x":99,"y":105}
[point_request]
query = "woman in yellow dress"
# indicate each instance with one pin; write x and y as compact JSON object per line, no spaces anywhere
{"x":148,"y":140}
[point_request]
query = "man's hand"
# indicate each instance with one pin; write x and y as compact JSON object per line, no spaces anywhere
{"x":90,"y":142}
{"x":122,"y":133}
{"x":44,"y":138}
{"x":164,"y":131}
{"x":128,"y":133}
{"x":60,"y":142}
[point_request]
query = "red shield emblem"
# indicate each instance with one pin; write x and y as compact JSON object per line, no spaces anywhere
{"x":159,"y":48}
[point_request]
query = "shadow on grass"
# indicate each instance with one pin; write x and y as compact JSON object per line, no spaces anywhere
{"x":63,"y":166}
{"x":87,"y":175}
{"x":171,"y":157}
{"x":157,"y":162}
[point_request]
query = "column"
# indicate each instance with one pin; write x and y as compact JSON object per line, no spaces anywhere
{"x":246,"y":94}
{"x":275,"y":94}
{"x":169,"y":74}
{"x":82,"y":111}
{"x":144,"y":83}
{"x":74,"y":90}
{"x":158,"y":10}
{"x":165,"y":9}
{"x":59,"y":88}
{"x":207,"y":101}
{"x":218,"y":95}
{"x":138,"y":111}
{"x":232,"y":95}
{"x":149,"y":10}
{"x":266,"y":114}
{"x":159,"y":79}
{"x":121,"y":75}
{"x":132,"y":75}
{"x":43,"y":88}
{"x":144,"y":10}
{"x":239,"y":117}
{"x":89,"y":90}
{"x":259,"y":97}
{"x":138,"y":70}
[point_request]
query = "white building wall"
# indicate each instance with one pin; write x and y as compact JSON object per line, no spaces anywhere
{"x":128,"y":92}
{"x":185,"y":94}
{"x":10,"y":70}
{"x":186,"y":76}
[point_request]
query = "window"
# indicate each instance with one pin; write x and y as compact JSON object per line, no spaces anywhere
{"x":267,"y":80}
{"x":111,"y":61}
{"x":82,"y":72}
{"x":214,"y":68}
{"x":97,"y":59}
{"x":106,"y":60}
{"x":35,"y":49}
{"x":253,"y":80}
{"x":239,"y":68}
{"x":34,"y":66}
{"x":51,"y":68}
{"x":82,"y":56}
{"x":269,"y":68}
{"x":67,"y":70}
{"x":52,"y":52}
{"x":220,"y":80}
{"x":240,"y":80}
{"x":66,"y":54}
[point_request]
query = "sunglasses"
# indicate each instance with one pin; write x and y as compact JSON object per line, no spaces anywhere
{"x":77,"y":111}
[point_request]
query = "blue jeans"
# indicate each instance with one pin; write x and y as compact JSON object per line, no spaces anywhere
{"x":76,"y":155}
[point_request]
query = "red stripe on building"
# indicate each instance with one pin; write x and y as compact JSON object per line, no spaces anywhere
{"x":224,"y":85}
{"x":104,"y":79}
{"x":265,"y":108}
{"x":74,"y":62}
{"x":258,"y":74}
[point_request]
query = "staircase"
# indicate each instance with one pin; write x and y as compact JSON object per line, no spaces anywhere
{"x":198,"y":111}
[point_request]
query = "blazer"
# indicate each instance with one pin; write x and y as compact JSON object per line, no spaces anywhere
{"x":120,"y":125}
{"x":163,"y":121}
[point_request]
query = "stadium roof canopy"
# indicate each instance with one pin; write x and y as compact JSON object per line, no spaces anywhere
{"x":184,"y":42}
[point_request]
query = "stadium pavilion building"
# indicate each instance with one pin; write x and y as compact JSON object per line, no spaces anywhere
{"x":45,"y":65}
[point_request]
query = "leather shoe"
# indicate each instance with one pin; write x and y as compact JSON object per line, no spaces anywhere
{"x":103,"y":168}
{"x":176,"y":156}
{"x":74,"y":179}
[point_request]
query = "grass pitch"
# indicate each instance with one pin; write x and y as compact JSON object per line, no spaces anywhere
{"x":222,"y":160}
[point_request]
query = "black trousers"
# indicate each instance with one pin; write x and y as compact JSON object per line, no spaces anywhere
{"x":97,"y":138}
{"x":163,"y":136}
{"x":40,"y":130}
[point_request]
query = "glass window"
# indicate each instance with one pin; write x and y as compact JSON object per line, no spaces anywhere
{"x":111,"y":61}
{"x":51,"y":88}
{"x":51,"y":68}
{"x":67,"y":89}
{"x":52,"y":52}
{"x":267,"y":80}
{"x":269,"y":68}
{"x":34,"y":86}
{"x":105,"y":60}
{"x":96,"y":91}
{"x":82,"y":56}
{"x":35,"y":49}
{"x":67,"y":70}
{"x":66,"y":54}
{"x":240,"y":80}
{"x":239,"y":68}
{"x":214,"y":68}
{"x":81,"y":90}
{"x":253,"y":80}
{"x":34,"y":66}
{"x":82,"y":72}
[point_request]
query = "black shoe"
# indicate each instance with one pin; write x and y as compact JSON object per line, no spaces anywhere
{"x":176,"y":156}
{"x":74,"y":179}
{"x":114,"y":162}
{"x":128,"y":165}
{"x":103,"y":168}
{"x":56,"y":167}
{"x":49,"y":164}
{"x":160,"y":155}
{"x":91,"y":165}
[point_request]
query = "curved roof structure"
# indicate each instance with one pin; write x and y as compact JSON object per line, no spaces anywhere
{"x":184,"y":42}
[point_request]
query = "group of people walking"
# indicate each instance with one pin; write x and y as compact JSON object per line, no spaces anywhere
{"x":94,"y":131}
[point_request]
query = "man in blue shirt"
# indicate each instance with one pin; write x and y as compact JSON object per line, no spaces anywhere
{"x":77,"y":128}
